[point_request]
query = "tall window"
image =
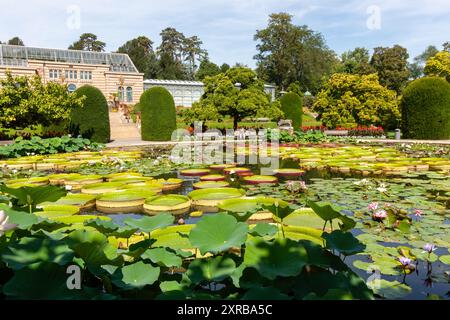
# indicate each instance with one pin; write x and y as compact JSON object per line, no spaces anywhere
{"x":121,"y":93}
{"x":129,"y":94}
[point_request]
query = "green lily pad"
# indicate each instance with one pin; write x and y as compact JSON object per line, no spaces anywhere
{"x":445,"y":259}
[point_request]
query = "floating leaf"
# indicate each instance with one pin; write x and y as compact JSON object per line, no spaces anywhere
{"x":445,"y":259}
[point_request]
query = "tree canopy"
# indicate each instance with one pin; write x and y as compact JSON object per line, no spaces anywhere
{"x":289,"y":53}
{"x":237,"y":93}
{"x":439,"y":65}
{"x":356,"y":61}
{"x":88,"y":42}
{"x":391,"y":64}
{"x":140,"y":51}
{"x":356,"y":100}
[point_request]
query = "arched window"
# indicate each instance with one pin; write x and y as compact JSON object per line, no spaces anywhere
{"x":129,"y":94}
{"x":71,"y":87}
{"x":121,"y":93}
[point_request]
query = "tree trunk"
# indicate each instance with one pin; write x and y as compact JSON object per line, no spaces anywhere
{"x":235,"y":123}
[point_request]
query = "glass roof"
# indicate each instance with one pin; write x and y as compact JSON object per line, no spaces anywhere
{"x":18,"y":56}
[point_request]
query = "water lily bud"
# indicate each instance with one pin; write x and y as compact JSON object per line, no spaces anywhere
{"x":181,"y":221}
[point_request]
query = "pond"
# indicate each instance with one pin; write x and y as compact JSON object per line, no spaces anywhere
{"x":414,"y":193}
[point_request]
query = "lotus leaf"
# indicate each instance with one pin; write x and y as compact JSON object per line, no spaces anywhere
{"x":218,"y":233}
{"x":148,"y":224}
{"x":162,"y":257}
{"x":135,"y":276}
{"x":210,"y":269}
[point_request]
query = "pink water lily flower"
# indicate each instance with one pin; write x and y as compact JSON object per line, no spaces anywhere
{"x":373,"y":206}
{"x":379,"y":215}
{"x":4,"y":225}
{"x":418,"y":213}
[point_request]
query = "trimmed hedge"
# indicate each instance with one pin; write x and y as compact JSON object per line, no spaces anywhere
{"x":92,"y":120}
{"x":158,"y":114}
{"x":291,"y":105}
{"x":426,"y":109}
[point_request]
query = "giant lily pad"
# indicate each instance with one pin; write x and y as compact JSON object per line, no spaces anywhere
{"x":218,"y":233}
{"x":100,"y":188}
{"x":212,"y":177}
{"x":173,"y":203}
{"x":129,"y":200}
{"x":195,"y":172}
{"x":207,"y":200}
{"x":257,"y":179}
{"x":210,"y":184}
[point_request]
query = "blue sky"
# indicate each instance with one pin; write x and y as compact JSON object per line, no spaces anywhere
{"x":226,"y":27}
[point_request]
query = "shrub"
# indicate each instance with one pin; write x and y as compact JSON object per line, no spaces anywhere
{"x":158,"y":115}
{"x":36,"y":145}
{"x":291,"y":105}
{"x":426,"y":109}
{"x":92,"y":120}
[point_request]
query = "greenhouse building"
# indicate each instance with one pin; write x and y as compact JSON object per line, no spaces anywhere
{"x":113,"y":73}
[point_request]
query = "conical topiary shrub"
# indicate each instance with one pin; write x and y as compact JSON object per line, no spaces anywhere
{"x":158,"y":114}
{"x":291,"y":105}
{"x":425,"y":109}
{"x":92,"y":120}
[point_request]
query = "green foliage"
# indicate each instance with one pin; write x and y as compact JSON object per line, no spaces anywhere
{"x":223,"y":98}
{"x":92,"y":119}
{"x":20,"y":147}
{"x":439,"y":65}
{"x":291,"y":105}
{"x":353,"y":99}
{"x":289,"y":53}
{"x":207,"y":69}
{"x":391,"y":64}
{"x":88,"y":42}
{"x":426,"y":109}
{"x":296,"y":87}
{"x":158,"y":114}
{"x":27,"y":101}
{"x":29,"y":197}
{"x":141,"y":53}
{"x":356,"y":62}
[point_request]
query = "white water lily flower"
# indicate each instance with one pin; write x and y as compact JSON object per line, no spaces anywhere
{"x":4,"y":225}
{"x":382,"y":188}
{"x":68,"y":187}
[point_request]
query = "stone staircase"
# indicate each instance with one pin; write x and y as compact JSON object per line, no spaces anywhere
{"x":121,"y":129}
